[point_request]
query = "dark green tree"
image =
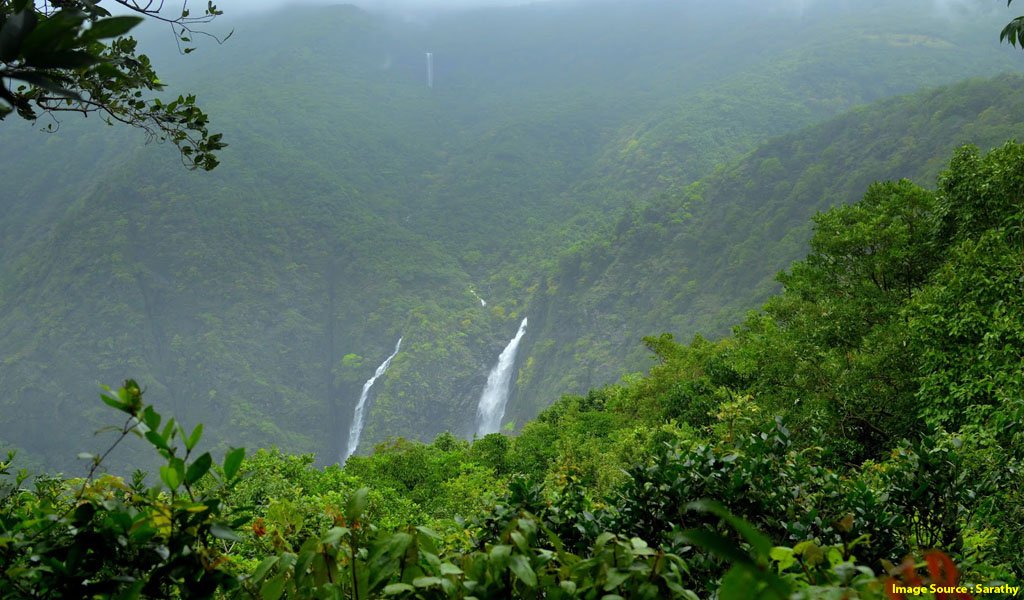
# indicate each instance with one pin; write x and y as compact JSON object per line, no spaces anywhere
{"x":74,"y":56}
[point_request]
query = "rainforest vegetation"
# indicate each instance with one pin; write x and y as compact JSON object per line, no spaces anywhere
{"x":551,"y":165}
{"x":871,"y":411}
{"x":775,"y":299}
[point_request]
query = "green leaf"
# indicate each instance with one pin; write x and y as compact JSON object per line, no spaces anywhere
{"x":169,"y":475}
{"x":333,"y":536}
{"x":423,"y":582}
{"x":784,"y":556}
{"x":615,"y":579}
{"x":151,"y":418}
{"x":738,"y":584}
{"x":108,"y":400}
{"x":519,"y":541}
{"x":760,"y":542}
{"x":14,"y":31}
{"x":357,"y":504}
{"x":64,"y":59}
{"x":144,"y":533}
{"x":309,"y":552}
{"x":179,"y":467}
{"x":835,"y":557}
{"x":111,"y":27}
{"x":192,"y":440}
{"x":727,"y":550}
{"x":232,"y":462}
{"x":812,"y":554}
{"x":157,"y":440}
{"x":263,"y":568}
{"x":521,"y":567}
{"x":168,"y":432}
{"x":1013,"y":31}
{"x":224,"y":532}
{"x":430,"y":533}
{"x":720,"y":546}
{"x":273,"y":588}
{"x":56,"y":33}
{"x":500,"y":554}
{"x":397,"y":588}
{"x":198,"y":468}
{"x":741,"y":583}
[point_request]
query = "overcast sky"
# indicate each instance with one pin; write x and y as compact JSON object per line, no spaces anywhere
{"x":239,"y":6}
{"x":247,"y":6}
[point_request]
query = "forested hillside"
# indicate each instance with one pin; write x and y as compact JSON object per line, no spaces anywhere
{"x":695,"y":261}
{"x":796,"y":228}
{"x":356,"y":206}
{"x":859,"y":437}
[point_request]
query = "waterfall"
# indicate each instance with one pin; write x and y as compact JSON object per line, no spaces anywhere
{"x":482,"y":302}
{"x":491,"y":409}
{"x":358,"y":418}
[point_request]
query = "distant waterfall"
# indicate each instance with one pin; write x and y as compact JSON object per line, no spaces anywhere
{"x":358,"y":418}
{"x":482,"y":301}
{"x":491,"y":409}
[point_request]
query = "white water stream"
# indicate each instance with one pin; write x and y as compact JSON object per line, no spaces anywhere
{"x":491,"y":408}
{"x":358,"y":418}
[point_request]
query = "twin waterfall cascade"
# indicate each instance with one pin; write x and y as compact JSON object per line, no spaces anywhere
{"x":359,"y":417}
{"x":491,"y":409}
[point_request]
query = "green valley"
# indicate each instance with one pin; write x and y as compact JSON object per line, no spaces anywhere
{"x":766,"y":262}
{"x":357,"y":205}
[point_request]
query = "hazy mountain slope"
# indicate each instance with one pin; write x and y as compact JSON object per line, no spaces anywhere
{"x":355,"y":205}
{"x":223,"y":305}
{"x":695,"y":262}
{"x":834,"y":59}
{"x":659,"y":114}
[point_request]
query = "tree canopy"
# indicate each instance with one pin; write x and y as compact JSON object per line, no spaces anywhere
{"x":75,"y":56}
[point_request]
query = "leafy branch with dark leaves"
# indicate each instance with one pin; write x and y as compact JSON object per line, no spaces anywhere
{"x":1014,"y":30}
{"x":74,"y":56}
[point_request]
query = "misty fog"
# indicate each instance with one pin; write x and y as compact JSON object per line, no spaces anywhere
{"x":951,"y":8}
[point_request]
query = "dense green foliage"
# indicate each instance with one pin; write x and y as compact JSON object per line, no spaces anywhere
{"x":862,"y":429}
{"x":103,"y":536}
{"x":870,"y":412}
